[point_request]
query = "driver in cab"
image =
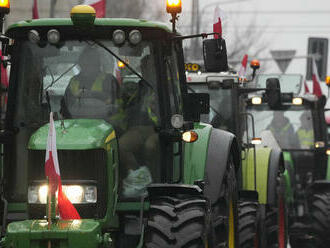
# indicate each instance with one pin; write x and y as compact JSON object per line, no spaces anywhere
{"x":91,"y":87}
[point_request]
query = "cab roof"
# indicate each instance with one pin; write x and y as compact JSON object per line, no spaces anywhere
{"x":125,"y":22}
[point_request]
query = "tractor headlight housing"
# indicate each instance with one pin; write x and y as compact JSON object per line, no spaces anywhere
{"x":77,"y":194}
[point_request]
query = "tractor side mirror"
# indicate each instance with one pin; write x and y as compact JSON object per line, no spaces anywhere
{"x":273,"y":93}
{"x":195,"y":105}
{"x":215,"y":55}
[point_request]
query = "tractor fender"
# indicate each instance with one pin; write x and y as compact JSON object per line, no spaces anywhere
{"x":269,"y":161}
{"x":276,"y":167}
{"x":221,"y":146}
{"x":320,"y":185}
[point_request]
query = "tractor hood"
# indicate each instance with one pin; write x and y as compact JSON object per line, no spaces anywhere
{"x":75,"y":134}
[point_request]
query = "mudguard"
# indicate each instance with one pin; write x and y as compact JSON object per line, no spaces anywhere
{"x":207,"y":159}
{"x":320,"y":185}
{"x":269,"y":164}
{"x":222,"y":145}
{"x":276,"y":166}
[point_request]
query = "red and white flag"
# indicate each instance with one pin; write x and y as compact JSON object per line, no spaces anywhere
{"x":316,"y":80}
{"x":306,"y":88}
{"x":4,"y":75}
{"x":35,"y":12}
{"x":98,"y":5}
{"x":217,"y":24}
{"x":52,"y":169}
{"x":242,"y":70}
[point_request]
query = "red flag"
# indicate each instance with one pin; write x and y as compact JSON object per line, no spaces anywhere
{"x":4,"y":76}
{"x":52,"y":170}
{"x":306,"y":87}
{"x":242,"y":71}
{"x":316,"y":80}
{"x":98,"y":5}
{"x":35,"y":13}
{"x":217,"y":25}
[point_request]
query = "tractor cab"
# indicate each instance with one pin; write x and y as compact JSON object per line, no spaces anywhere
{"x":223,"y":90}
{"x":296,"y":124}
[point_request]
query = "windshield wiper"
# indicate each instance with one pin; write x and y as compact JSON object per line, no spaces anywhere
{"x":59,"y":77}
{"x":121,"y":60}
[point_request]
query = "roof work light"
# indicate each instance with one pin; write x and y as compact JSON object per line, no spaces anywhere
{"x":4,"y":6}
{"x":174,"y":6}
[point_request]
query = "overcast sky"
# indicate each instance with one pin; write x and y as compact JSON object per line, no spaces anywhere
{"x":286,"y":24}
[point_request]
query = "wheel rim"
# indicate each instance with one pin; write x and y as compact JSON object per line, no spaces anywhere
{"x":281,"y":230}
{"x":231,"y":234}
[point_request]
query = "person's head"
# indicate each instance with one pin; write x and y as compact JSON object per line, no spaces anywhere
{"x":89,"y":61}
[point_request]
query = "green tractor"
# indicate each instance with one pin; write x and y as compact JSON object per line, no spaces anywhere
{"x":297,"y":124}
{"x":135,"y":161}
{"x":262,"y":214}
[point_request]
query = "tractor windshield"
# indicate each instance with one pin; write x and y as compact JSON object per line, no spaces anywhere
{"x":221,"y":109}
{"x":292,"y":129}
{"x":79,"y":79}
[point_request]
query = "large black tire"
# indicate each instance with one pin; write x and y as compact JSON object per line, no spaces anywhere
{"x":320,"y":218}
{"x":188,"y":222}
{"x":248,"y":224}
{"x":175,"y":222}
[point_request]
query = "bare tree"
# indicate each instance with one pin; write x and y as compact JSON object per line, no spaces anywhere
{"x":247,"y":40}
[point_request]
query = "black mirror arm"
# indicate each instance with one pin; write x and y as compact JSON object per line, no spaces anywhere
{"x":203,"y":35}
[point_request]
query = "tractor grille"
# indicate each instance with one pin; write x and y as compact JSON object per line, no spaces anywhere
{"x":75,"y":165}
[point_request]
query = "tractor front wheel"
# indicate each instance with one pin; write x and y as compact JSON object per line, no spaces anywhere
{"x":175,"y":222}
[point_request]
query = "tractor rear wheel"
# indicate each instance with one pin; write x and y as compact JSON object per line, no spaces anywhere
{"x":248,"y":224}
{"x":320,"y":217}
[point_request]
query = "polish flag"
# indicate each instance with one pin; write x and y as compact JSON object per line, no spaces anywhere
{"x":98,"y":5}
{"x":4,"y":76}
{"x":35,"y":13}
{"x":316,"y":80}
{"x":52,"y":169}
{"x":217,"y":25}
{"x":306,"y":88}
{"x":242,"y":70}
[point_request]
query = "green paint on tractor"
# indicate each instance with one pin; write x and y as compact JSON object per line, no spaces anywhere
{"x":82,"y":134}
{"x":262,"y":162}
{"x":196,"y":154}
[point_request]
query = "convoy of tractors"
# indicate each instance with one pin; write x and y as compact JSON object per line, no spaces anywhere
{"x":152,"y":155}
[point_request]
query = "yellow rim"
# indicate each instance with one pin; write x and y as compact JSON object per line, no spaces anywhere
{"x":231,"y":234}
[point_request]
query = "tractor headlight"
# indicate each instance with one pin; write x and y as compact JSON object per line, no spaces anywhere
{"x":77,"y":194}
